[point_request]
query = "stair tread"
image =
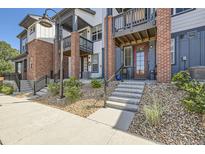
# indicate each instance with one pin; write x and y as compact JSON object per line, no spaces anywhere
{"x":134,"y":100}
{"x":123,"y":106}
{"x":125,"y":94}
{"x":129,"y":90}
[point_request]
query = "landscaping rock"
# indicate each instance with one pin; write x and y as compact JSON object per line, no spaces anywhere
{"x":91,"y":100}
{"x":177,"y":125}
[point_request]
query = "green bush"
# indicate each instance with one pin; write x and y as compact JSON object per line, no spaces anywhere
{"x":153,"y":113}
{"x":53,"y":88}
{"x":7,"y":89}
{"x":72,"y":93}
{"x":96,"y":84}
{"x":1,"y":84}
{"x":181,"y":79}
{"x":195,"y":99}
{"x":71,"y":82}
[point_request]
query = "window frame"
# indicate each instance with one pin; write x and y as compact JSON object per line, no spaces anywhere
{"x":131,"y":56}
{"x":173,"y":51}
{"x":97,"y":31}
{"x":32,"y":29}
{"x":92,"y":57}
{"x":182,"y":12}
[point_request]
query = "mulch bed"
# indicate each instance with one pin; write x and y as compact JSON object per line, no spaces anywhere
{"x":177,"y":125}
{"x":90,"y":102}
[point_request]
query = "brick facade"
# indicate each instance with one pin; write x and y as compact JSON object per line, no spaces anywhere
{"x":163,"y":52}
{"x":110,"y":57}
{"x":39,"y":60}
{"x":56,"y":58}
{"x":75,"y":54}
{"x":65,"y":66}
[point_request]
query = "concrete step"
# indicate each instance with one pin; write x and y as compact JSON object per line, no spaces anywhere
{"x":45,"y":90}
{"x":125,"y":94}
{"x":124,"y":100}
{"x":122,"y":106}
{"x":130,"y":86}
{"x":138,"y":91}
{"x":132,"y":83}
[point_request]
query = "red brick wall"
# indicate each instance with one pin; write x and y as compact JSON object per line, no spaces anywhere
{"x":56,"y":58}
{"x":163,"y":53}
{"x":75,"y":54}
{"x":40,"y":53}
{"x":111,"y":48}
{"x":65,"y":66}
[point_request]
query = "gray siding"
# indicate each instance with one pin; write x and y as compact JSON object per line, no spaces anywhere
{"x":189,"y":20}
{"x":191,"y":44}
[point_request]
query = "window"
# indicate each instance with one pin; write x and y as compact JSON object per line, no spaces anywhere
{"x":32,"y":30}
{"x":97,"y":33}
{"x":180,"y":10}
{"x":95,"y":63}
{"x":140,"y":61}
{"x":128,"y":56}
{"x":172,"y":51}
{"x":23,"y":46}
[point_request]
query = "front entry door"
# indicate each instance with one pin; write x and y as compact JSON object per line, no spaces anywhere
{"x":140,"y":58}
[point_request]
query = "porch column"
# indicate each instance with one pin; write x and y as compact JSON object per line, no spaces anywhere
{"x":109,"y":54}
{"x":16,"y":67}
{"x":163,"y":53}
{"x":75,"y":54}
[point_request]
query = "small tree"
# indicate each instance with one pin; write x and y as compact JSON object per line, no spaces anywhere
{"x":6,"y":54}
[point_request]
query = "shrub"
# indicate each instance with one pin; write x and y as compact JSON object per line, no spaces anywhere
{"x":181,"y":79}
{"x":195,"y":101}
{"x":96,"y":84}
{"x":153,"y":112}
{"x":1,"y":84}
{"x":53,"y":88}
{"x":71,"y":82}
{"x":7,"y":89}
{"x":72,"y":93}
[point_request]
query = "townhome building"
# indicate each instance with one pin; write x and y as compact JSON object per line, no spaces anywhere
{"x":142,"y":43}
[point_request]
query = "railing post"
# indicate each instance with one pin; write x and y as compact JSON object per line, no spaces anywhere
{"x":105,"y":92}
{"x":34,"y":88}
{"x":46,"y":81}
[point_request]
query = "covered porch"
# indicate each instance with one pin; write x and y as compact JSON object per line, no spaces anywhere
{"x":76,"y":45}
{"x":21,"y":66}
{"x":134,"y":34}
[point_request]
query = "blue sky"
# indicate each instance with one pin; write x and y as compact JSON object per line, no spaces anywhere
{"x":10,"y":19}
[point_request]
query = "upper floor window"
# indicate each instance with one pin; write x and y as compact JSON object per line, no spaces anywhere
{"x":23,"y":46}
{"x":180,"y":10}
{"x":97,"y":33}
{"x":32,"y":30}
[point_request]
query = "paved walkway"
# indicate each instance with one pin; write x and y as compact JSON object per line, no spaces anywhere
{"x":26,"y":122}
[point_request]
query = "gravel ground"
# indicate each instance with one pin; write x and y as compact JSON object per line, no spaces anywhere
{"x":90,"y":102}
{"x":177,"y":125}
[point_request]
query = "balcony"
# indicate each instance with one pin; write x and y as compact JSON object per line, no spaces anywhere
{"x":134,"y":25}
{"x":86,"y":46}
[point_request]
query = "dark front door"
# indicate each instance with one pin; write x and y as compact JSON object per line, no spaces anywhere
{"x":141,"y":61}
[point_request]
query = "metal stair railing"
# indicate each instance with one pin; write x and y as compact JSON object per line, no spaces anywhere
{"x":15,"y":77}
{"x":106,"y":82}
{"x":40,"y":84}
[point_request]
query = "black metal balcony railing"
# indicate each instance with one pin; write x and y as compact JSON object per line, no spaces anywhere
{"x":132,"y":18}
{"x":85,"y":44}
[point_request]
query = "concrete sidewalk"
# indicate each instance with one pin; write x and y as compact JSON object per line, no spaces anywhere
{"x":26,"y":122}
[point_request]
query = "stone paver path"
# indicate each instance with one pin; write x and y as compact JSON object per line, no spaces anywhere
{"x":26,"y":122}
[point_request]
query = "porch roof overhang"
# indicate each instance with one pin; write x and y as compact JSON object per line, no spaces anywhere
{"x":66,"y":19}
{"x":136,"y":37}
{"x":22,"y":34}
{"x":29,"y":20}
{"x":20,"y":57}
